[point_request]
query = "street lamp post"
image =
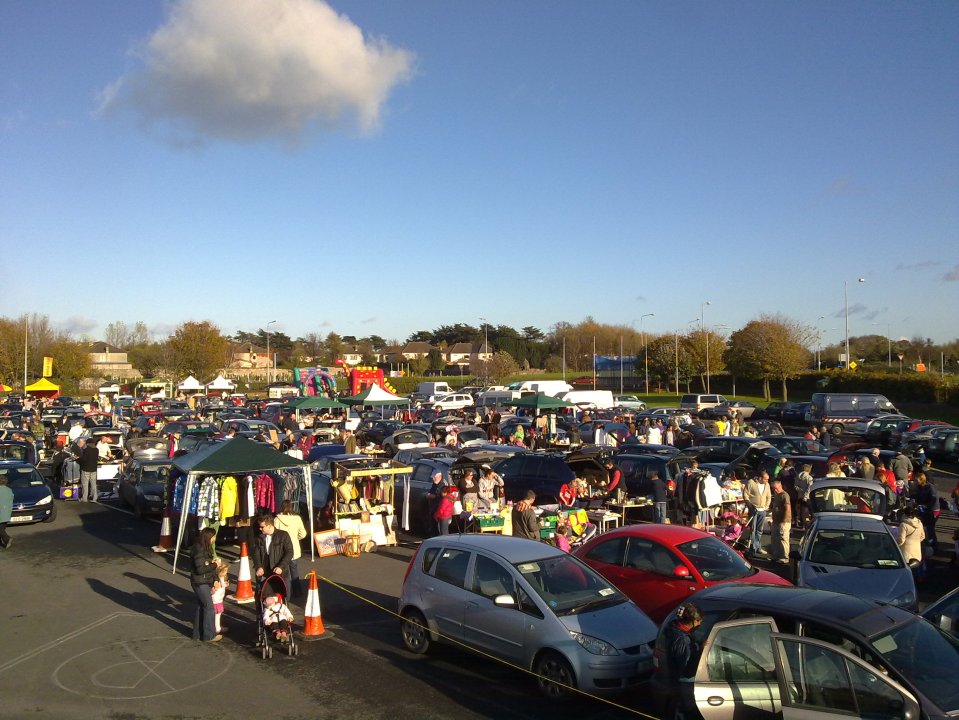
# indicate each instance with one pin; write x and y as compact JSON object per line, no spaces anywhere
{"x":845,"y":299}
{"x":645,"y":347}
{"x":269,"y":358}
{"x":485,"y":350}
{"x":819,"y":344}
{"x":702,"y":326}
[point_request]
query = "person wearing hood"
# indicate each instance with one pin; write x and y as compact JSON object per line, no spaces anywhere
{"x":911,"y":534}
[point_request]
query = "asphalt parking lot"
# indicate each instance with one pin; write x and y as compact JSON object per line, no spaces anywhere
{"x":97,"y":625}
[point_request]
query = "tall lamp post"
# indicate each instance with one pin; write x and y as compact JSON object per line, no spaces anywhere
{"x":702,"y":326}
{"x":845,"y":299}
{"x":819,"y":344}
{"x":485,"y":350}
{"x":645,"y":347}
{"x":269,"y":358}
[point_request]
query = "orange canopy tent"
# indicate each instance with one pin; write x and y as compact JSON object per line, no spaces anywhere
{"x":43,"y":388}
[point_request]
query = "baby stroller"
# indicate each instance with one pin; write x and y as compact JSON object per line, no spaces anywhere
{"x":272,"y":585}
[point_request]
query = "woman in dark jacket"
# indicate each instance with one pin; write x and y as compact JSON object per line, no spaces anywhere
{"x":202,"y":576}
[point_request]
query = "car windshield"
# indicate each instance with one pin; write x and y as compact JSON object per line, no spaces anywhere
{"x":850,"y":500}
{"x":927,"y":657}
{"x":856,"y":548}
{"x":155,"y":473}
{"x":799,"y":446}
{"x":567,"y":586}
{"x":21,"y":477}
{"x":715,"y":560}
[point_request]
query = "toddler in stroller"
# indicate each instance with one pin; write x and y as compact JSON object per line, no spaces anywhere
{"x":275,"y":621}
{"x":277,"y":617}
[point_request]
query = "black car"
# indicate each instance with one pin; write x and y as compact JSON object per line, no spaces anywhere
{"x":780,"y":411}
{"x":374,"y":432}
{"x":32,"y":498}
{"x":879,"y":429}
{"x":795,"y":445}
{"x":842,"y":652}
{"x":543,"y":473}
{"x":141,"y":486}
{"x":420,"y":481}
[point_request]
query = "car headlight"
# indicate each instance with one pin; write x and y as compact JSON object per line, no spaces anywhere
{"x":45,"y":501}
{"x":594,"y":645}
{"x":152,"y":498}
{"x":907,"y":599}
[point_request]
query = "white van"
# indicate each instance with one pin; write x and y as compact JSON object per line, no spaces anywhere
{"x":554,"y":388}
{"x":497,"y":398}
{"x":596,"y":398}
{"x":433,"y":389}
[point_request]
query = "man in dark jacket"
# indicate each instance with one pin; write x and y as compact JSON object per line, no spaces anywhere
{"x":272,"y":550}
{"x":525,"y":522}
{"x":87,"y":458}
{"x":682,"y":654}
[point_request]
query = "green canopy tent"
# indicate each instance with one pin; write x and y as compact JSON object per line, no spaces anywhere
{"x":313,"y":402}
{"x":540,"y":401}
{"x":238,"y":456}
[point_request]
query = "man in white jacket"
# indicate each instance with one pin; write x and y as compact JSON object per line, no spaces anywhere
{"x":756,"y":495}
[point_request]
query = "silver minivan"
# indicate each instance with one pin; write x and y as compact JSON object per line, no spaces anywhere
{"x":695,"y":403}
{"x":530,"y":604}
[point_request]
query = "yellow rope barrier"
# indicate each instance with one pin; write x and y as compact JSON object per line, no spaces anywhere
{"x":454,"y":641}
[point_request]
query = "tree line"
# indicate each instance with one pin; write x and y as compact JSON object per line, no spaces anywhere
{"x":770,"y":348}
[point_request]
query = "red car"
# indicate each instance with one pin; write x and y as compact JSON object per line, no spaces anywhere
{"x":659,"y":566}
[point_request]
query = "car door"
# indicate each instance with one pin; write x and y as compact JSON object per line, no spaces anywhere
{"x":128,"y":483}
{"x":736,"y":676}
{"x":649,"y":577}
{"x":818,"y":680}
{"x":498,"y":629}
{"x":445,"y":593}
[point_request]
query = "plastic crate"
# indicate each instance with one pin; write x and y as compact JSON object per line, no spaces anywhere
{"x":491,"y":522}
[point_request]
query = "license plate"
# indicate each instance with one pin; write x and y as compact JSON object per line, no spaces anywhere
{"x":21,"y":518}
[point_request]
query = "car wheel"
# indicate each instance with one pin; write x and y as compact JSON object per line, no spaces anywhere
{"x":53,"y":512}
{"x":416,"y":636}
{"x":554,"y":675}
{"x":836,"y":430}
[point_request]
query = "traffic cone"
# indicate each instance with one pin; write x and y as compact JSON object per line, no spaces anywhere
{"x":166,"y":533}
{"x":312,"y":618}
{"x":244,"y":581}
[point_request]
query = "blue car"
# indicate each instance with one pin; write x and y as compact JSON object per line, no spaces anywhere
{"x":32,"y":498}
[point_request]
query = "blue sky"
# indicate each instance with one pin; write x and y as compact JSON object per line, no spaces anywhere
{"x":384,"y":167}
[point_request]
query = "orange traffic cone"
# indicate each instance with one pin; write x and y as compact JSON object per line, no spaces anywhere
{"x":244,"y":581}
{"x":166,"y":533}
{"x":312,"y":618}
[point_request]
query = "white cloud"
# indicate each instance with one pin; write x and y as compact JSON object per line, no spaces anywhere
{"x":244,"y":70}
{"x":162,"y":330}
{"x":78,"y":325}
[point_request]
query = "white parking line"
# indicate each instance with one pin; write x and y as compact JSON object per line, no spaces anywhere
{"x":65,"y":638}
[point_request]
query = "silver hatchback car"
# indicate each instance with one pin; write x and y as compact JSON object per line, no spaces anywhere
{"x":530,"y":604}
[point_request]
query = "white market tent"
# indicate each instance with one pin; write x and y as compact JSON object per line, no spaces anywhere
{"x":190,"y":384}
{"x":221,"y":383}
{"x":375,"y":395}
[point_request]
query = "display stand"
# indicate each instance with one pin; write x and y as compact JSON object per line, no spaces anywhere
{"x":364,"y":501}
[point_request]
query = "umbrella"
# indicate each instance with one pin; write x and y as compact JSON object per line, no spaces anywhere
{"x":5,"y":388}
{"x":540,"y":401}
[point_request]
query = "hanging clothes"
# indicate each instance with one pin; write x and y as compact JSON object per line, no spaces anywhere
{"x":208,"y":499}
{"x":178,"y":489}
{"x":247,"y":497}
{"x":229,"y":507}
{"x":264,"y":493}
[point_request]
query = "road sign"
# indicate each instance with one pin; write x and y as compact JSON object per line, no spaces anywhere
{"x":852,"y":365}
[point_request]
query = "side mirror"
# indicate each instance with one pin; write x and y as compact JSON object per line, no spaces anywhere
{"x":504,"y":600}
{"x":681,"y":571}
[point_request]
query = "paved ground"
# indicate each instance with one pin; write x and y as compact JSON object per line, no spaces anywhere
{"x":95,"y":625}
